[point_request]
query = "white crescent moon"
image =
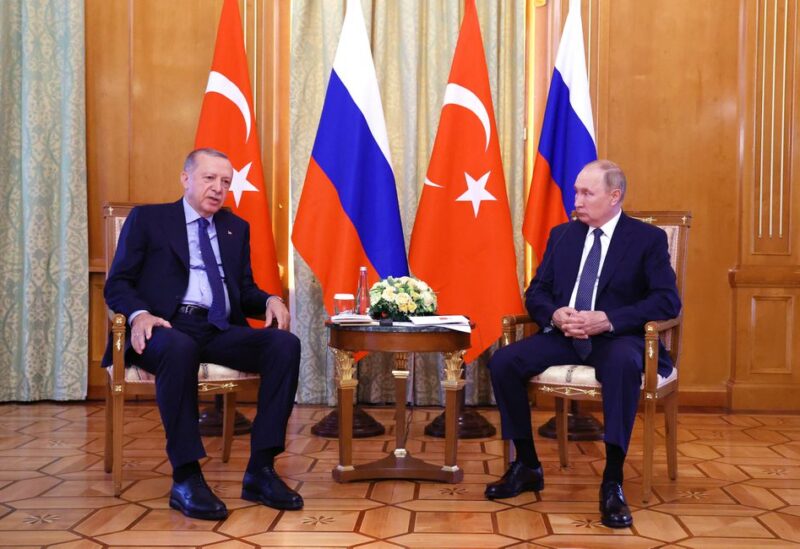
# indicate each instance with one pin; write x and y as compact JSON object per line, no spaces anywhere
{"x":221,"y":84}
{"x":461,"y":96}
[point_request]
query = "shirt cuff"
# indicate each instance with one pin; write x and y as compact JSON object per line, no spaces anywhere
{"x":134,"y":314}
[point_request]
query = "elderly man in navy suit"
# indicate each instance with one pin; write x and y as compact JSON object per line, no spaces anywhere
{"x":183,"y":278}
{"x":601,"y":279}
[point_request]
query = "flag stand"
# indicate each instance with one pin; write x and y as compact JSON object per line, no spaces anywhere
{"x":471,"y":424}
{"x":211,"y":420}
{"x":364,"y":425}
{"x":580,"y":426}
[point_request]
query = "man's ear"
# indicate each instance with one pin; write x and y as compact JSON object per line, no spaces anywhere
{"x":185,"y":179}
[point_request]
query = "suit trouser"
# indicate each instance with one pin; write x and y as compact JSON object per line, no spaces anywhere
{"x":174,"y":354}
{"x":618,"y":362}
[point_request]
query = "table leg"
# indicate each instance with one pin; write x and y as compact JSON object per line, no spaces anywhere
{"x":346,"y":385}
{"x":453,"y":385}
{"x":400,"y":374}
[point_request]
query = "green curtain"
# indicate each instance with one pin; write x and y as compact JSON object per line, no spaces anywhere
{"x":412,"y":45}
{"x":43,"y":221}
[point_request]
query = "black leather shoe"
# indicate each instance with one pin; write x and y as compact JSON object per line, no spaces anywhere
{"x":194,"y":498}
{"x":266,"y":487}
{"x":614,"y":511}
{"x":517,"y":479}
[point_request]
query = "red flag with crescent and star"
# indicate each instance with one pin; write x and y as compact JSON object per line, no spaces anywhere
{"x":462,"y":244}
{"x":227,"y":123}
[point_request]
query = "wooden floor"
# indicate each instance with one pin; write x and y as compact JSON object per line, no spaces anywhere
{"x":738,"y":486}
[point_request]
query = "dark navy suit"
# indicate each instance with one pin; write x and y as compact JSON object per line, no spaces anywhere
{"x":150,"y":272}
{"x":636,"y":285}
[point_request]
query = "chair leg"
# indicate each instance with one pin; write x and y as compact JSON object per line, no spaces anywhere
{"x":228,"y":419}
{"x":671,"y":425}
{"x":118,"y":402}
{"x":561,"y":430}
{"x":108,"y":456}
{"x":647,"y":456}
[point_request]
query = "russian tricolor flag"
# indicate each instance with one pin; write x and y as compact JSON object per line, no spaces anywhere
{"x":567,"y":141}
{"x":348,"y":215}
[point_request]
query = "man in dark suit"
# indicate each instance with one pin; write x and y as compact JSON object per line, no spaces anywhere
{"x":182,"y":276}
{"x":601,"y":279}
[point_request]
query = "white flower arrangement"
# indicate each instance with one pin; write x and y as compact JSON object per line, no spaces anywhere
{"x":399,"y":298}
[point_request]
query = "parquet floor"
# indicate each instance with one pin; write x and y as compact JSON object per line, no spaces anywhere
{"x":738,"y":486}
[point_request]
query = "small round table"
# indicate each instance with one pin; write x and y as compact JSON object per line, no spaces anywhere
{"x":344,"y":340}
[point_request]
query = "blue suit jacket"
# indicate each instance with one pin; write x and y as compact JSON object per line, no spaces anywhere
{"x":637,"y":283}
{"x":150,"y":270}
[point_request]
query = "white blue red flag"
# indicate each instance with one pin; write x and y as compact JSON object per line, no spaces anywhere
{"x":348,"y":215}
{"x":567,"y":141}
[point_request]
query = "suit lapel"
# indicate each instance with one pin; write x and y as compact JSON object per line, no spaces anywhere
{"x":616,"y":251}
{"x":176,"y":233}
{"x":225,"y":240}
{"x":573,"y":249}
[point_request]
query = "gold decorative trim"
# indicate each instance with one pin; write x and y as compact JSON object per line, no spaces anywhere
{"x":118,"y":341}
{"x":649,"y":396}
{"x":401,"y":374}
{"x":205,"y":386}
{"x":453,"y":365}
{"x":400,"y":452}
{"x":344,"y":366}
{"x":651,"y":352}
{"x":450,"y":468}
{"x":117,"y":388}
{"x":569,"y":391}
{"x":344,"y":468}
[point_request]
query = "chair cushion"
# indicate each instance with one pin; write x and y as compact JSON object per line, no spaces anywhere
{"x":575,"y":375}
{"x":207,"y":372}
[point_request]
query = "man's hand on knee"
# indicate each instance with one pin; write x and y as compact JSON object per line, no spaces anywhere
{"x":277,"y":311}
{"x":142,"y":330}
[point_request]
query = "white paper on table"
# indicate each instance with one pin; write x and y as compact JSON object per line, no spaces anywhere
{"x":438,"y":320}
{"x":351,"y":318}
{"x":459,"y":323}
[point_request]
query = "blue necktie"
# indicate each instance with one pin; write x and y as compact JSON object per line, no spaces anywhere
{"x":583,"y":298}
{"x":216,"y":315}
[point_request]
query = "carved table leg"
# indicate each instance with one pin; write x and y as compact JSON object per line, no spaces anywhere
{"x":400,"y":374}
{"x":453,"y":385}
{"x":346,"y":386}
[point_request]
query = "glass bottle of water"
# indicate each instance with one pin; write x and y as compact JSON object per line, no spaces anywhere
{"x":362,"y":292}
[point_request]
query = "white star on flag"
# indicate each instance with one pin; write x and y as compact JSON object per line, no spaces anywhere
{"x":476,"y":191}
{"x":240,"y":184}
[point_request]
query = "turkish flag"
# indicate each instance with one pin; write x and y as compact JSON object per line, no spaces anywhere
{"x":462,"y":244}
{"x":227,"y":123}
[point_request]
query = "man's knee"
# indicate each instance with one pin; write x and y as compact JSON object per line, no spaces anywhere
{"x":173,"y":349}
{"x":283,"y":346}
{"x":501,"y":363}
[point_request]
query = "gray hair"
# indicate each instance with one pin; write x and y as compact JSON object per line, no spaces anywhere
{"x":613,"y":176}
{"x":189,"y":163}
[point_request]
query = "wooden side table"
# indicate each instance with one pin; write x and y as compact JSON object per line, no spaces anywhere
{"x":344,"y":341}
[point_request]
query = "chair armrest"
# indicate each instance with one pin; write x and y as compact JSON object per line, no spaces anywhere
{"x":119,"y":325}
{"x":651,"y":338}
{"x":662,"y":325}
{"x":514,"y":320}
{"x":510,"y":324}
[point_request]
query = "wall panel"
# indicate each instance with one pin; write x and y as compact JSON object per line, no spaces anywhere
{"x":765,"y":282}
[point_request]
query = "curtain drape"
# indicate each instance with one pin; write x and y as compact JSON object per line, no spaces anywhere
{"x":412,"y":44}
{"x":43,"y":220}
